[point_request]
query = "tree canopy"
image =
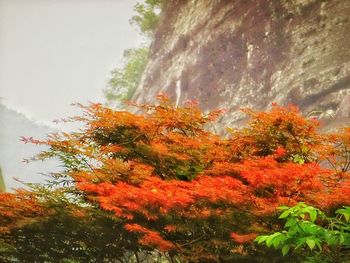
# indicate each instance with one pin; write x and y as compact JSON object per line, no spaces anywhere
{"x":160,"y":183}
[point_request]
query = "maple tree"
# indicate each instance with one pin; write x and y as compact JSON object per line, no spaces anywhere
{"x":46,"y":225}
{"x":177,"y":187}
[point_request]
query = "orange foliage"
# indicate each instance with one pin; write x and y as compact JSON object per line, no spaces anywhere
{"x":19,"y":208}
{"x":281,"y":128}
{"x":163,"y":163}
{"x":156,"y":197}
{"x":150,"y":238}
{"x":241,"y":239}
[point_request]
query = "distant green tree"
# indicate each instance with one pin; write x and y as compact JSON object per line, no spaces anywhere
{"x":2,"y":183}
{"x":147,"y":16}
{"x":125,"y":79}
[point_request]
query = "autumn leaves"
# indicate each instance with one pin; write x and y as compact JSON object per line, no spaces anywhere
{"x":180,"y":188}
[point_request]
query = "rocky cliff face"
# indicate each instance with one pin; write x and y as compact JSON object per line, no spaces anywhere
{"x":245,"y":53}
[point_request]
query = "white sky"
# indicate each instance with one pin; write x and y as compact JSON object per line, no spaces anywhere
{"x":55,"y":52}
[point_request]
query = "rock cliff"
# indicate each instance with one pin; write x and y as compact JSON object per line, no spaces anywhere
{"x":244,"y":53}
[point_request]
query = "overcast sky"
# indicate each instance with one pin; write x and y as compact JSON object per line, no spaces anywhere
{"x":55,"y":52}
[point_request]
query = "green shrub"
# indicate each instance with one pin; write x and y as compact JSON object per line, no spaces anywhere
{"x":310,"y":233}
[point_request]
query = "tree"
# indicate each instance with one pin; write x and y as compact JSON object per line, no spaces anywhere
{"x":125,"y":79}
{"x":147,"y":16}
{"x":176,"y":187}
{"x":46,"y":225}
{"x":2,"y":183}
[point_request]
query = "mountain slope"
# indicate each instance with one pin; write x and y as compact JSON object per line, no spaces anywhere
{"x":13,"y":151}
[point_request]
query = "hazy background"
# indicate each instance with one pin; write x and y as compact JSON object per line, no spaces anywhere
{"x":53,"y":53}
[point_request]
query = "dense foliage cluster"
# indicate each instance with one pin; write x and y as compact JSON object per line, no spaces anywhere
{"x":147,"y":16}
{"x":125,"y":79}
{"x":308,"y":228}
{"x":2,"y":183}
{"x":160,"y":184}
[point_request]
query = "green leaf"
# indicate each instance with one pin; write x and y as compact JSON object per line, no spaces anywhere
{"x":261,"y":239}
{"x":313,"y":215}
{"x":285,"y":249}
{"x":341,"y":238}
{"x":347,"y":216}
{"x":276,"y":241}
{"x":319,"y":246}
{"x":298,"y":159}
{"x":283,"y":207}
{"x":311,"y":243}
{"x":291,"y":222}
{"x":270,"y":239}
{"x":284,"y":214}
{"x":344,"y":212}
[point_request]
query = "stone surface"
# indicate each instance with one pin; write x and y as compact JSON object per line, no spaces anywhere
{"x":244,"y":53}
